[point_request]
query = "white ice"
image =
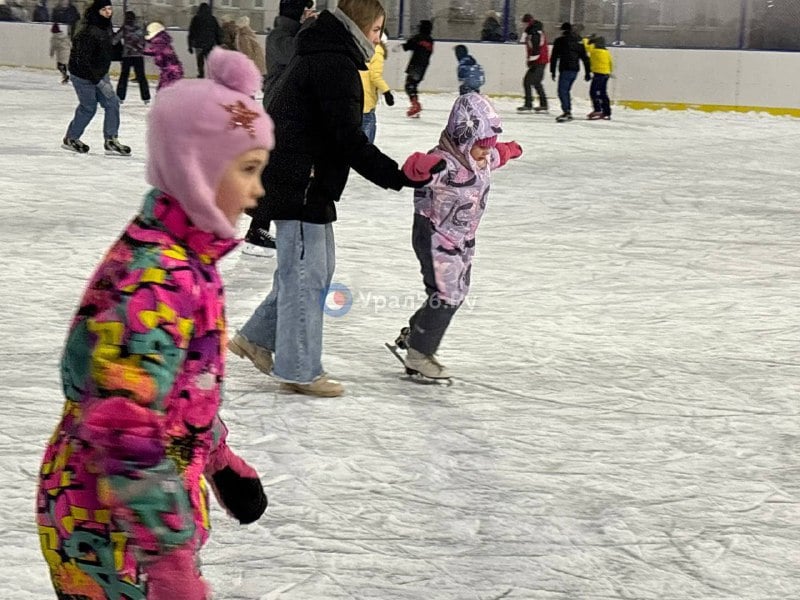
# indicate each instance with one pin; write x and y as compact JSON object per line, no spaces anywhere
{"x":624,"y":422}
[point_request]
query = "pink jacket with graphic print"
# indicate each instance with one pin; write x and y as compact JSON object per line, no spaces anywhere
{"x":455,"y":199}
{"x":122,"y":480}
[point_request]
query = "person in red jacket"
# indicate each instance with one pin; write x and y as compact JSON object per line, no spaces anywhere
{"x":537,"y":56}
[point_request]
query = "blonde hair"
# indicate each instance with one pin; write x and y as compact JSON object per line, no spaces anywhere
{"x":362,"y":12}
{"x":243,"y":21}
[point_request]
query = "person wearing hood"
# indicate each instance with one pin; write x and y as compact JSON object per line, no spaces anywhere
{"x":317,"y":106}
{"x":536,"y":59}
{"x":421,"y":47}
{"x":204,"y":34}
{"x":89,"y":62}
{"x":123,"y":496}
{"x":447,"y":212}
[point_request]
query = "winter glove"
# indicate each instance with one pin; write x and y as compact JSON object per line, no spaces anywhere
{"x":507,"y":151}
{"x":420,"y":168}
{"x":236,"y":485}
{"x":554,"y":76}
{"x":389,"y":98}
{"x":191,"y":50}
{"x":588,"y":77}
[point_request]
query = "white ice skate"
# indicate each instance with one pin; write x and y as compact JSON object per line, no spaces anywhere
{"x":421,"y":368}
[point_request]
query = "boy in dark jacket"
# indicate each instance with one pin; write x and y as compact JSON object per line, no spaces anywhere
{"x":421,"y":46}
{"x":568,"y":53}
{"x":89,"y":62}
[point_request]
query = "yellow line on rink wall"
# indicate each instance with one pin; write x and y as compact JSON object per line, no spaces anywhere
{"x":642,"y":105}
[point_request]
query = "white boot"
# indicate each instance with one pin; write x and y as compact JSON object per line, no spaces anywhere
{"x":426,"y":365}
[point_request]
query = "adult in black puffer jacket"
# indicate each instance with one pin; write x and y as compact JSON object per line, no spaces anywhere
{"x":204,"y":34}
{"x":89,"y":62}
{"x":316,"y":106}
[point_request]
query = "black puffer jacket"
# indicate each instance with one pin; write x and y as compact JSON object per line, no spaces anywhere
{"x":317,"y":106}
{"x":90,"y":57}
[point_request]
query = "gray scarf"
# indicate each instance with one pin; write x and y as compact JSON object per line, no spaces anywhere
{"x":367,"y":49}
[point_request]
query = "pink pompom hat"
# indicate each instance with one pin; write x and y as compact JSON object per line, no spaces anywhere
{"x":196,"y":127}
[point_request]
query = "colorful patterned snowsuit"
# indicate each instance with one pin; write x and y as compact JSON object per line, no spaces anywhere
{"x":122,"y":481}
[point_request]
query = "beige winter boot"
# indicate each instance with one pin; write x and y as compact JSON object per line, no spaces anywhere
{"x":244,"y":348}
{"x":426,"y":365}
{"x":323,"y":386}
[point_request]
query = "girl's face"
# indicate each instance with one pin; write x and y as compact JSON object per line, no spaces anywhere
{"x":373,"y":33}
{"x":106,"y":12}
{"x":480,"y":154}
{"x":240,"y":187}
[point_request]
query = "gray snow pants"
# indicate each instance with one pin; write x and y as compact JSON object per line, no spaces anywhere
{"x":429,"y":324}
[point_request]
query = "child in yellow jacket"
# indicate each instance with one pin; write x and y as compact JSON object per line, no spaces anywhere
{"x":374,"y":84}
{"x":602,"y":66}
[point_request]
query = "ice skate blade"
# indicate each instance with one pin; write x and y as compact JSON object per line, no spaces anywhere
{"x":73,"y":150}
{"x":117,"y":154}
{"x":417,"y":377}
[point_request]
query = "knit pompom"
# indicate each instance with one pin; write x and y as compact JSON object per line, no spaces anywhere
{"x":233,"y":70}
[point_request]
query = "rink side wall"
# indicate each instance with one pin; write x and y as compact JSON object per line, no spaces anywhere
{"x":644,"y":77}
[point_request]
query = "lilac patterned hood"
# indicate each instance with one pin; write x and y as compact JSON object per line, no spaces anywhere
{"x":472,"y":118}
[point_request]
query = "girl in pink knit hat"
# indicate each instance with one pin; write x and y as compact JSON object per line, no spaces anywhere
{"x":122,"y":504}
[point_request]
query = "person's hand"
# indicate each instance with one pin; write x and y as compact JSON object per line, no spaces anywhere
{"x":554,"y":76}
{"x":191,"y":50}
{"x":508,"y":151}
{"x":236,"y":485}
{"x":389,"y":97}
{"x":308,"y":13}
{"x":420,"y":168}
{"x":588,"y":77}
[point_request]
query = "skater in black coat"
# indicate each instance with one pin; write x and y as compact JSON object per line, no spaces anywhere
{"x":204,"y":34}
{"x":568,"y":53}
{"x":317,"y":106}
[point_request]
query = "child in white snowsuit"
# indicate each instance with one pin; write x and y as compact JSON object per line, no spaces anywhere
{"x":447,"y":212}
{"x":60,"y":45}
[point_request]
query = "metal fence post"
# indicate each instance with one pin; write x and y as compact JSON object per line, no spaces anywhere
{"x":401,"y":18}
{"x":618,"y":33}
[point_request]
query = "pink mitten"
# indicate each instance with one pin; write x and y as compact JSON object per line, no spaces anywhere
{"x":176,"y":575}
{"x":420,"y":168}
{"x":507,"y":151}
{"x":236,"y":485}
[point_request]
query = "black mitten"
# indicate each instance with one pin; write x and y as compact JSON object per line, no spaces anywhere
{"x":242,"y":497}
{"x":389,"y":97}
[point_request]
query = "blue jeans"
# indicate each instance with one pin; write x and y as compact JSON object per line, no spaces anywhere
{"x":89,"y":95}
{"x":289,"y":320}
{"x":565,"y":81}
{"x":369,"y":125}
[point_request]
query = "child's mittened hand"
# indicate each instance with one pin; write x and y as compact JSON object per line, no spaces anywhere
{"x":236,"y":486}
{"x":508,"y":150}
{"x":389,"y":97}
{"x":420,"y":168}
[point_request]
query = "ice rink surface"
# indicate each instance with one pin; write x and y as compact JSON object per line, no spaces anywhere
{"x":624,"y":421}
